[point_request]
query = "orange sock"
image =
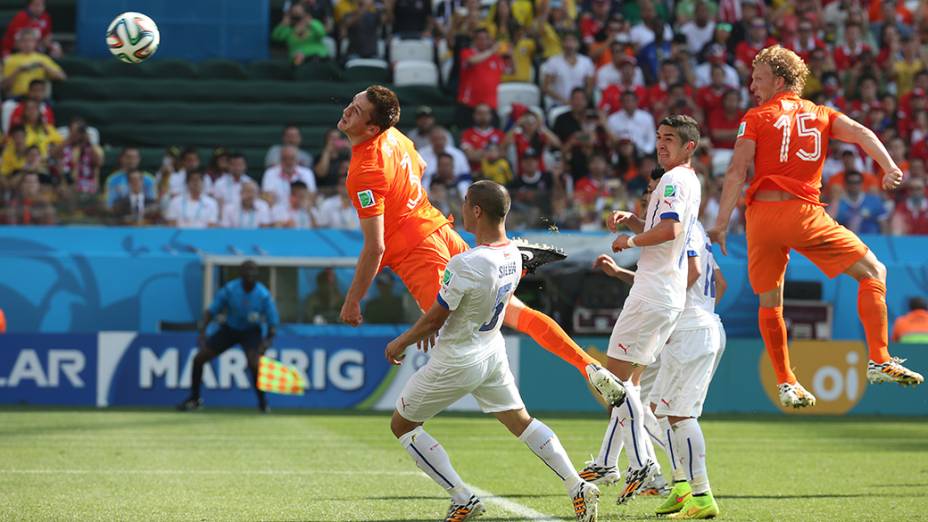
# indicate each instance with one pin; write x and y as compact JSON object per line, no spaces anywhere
{"x":546,"y":332}
{"x":773,"y":331}
{"x":871,"y":307}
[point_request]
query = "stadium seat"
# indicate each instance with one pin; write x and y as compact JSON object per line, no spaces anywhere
{"x":118,"y":69}
{"x":330,"y":46}
{"x":524,"y":93}
{"x":77,"y":66}
{"x":222,"y":69}
{"x":367,"y":70}
{"x":270,"y":70}
{"x":180,"y":69}
{"x":322,"y":71}
{"x":555,"y":112}
{"x":415,"y":72}
{"x":403,"y":50}
{"x":6,"y":113}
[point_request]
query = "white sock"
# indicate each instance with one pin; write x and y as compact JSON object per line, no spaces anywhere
{"x":612,"y":441}
{"x":633,"y":434}
{"x":651,"y":429}
{"x":692,"y":449}
{"x":431,"y":458}
{"x":667,"y":432}
{"x":544,"y":443}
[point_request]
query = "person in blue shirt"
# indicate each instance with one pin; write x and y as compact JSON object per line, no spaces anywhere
{"x":861,"y":212}
{"x":248,"y":305}
{"x":117,"y":184}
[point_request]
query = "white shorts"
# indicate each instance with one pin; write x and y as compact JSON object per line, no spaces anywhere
{"x":435,"y":386}
{"x":687,"y":366}
{"x":641,"y":331}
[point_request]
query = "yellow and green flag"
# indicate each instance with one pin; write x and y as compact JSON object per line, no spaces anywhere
{"x":276,"y":377}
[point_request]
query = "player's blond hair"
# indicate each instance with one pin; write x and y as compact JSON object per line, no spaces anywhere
{"x":786,"y":64}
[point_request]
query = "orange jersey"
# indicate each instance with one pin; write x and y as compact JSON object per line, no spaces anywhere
{"x":791,"y":137}
{"x":384,"y":178}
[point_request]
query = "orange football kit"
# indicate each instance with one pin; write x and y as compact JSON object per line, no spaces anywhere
{"x":384,"y":178}
{"x":791,"y":138}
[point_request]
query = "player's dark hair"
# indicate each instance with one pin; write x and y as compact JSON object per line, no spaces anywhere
{"x":491,"y":197}
{"x":191,"y":174}
{"x":575,"y":90}
{"x":685,"y":126}
{"x":298,"y":185}
{"x":917,"y":303}
{"x":657,"y":173}
{"x":445,"y":155}
{"x":386,"y":111}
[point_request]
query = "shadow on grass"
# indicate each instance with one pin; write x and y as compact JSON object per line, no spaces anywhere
{"x":812,"y":497}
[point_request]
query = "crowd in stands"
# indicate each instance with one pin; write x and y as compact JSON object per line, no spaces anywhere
{"x":608,"y":72}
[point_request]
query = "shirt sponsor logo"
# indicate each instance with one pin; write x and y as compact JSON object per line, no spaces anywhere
{"x":366,"y":198}
{"x":741,"y":129}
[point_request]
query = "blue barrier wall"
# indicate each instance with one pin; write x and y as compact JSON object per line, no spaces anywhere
{"x":88,"y":279}
{"x":346,"y":369}
{"x":190,"y":30}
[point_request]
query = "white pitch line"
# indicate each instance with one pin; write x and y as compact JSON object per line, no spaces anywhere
{"x":523,"y":512}
{"x":196,"y":472}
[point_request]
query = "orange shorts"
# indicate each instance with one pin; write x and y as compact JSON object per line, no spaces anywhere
{"x":776,"y":227}
{"x":422,"y":269}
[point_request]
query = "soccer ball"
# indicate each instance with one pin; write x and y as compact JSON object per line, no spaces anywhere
{"x":132,"y":37}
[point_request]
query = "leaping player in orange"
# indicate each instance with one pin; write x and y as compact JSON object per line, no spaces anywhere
{"x":785,"y":138}
{"x":403,"y":231}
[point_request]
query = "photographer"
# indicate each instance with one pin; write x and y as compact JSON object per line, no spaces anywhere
{"x":303,"y":35}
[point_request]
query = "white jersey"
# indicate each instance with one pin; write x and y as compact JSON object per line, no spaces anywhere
{"x":662,"y":269}
{"x":476,"y":287}
{"x":699,"y":311}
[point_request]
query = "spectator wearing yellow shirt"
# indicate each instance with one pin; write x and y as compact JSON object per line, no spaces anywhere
{"x":21,"y":68}
{"x":500,"y":22}
{"x":494,"y":167}
{"x":519,"y":57}
{"x":904,"y":70}
{"x":14,"y":155}
{"x":552,"y":21}
{"x":38,"y":131}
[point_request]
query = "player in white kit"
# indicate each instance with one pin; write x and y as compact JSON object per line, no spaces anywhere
{"x":658,"y":294}
{"x":469,"y":357}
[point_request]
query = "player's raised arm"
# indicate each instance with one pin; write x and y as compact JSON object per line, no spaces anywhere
{"x":368,"y":263}
{"x":846,"y":129}
{"x":735,"y":175}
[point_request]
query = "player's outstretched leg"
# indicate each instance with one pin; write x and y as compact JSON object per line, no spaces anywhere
{"x":603,"y":469}
{"x":681,"y":490}
{"x":550,"y":336}
{"x":691,"y":446}
{"x":431,"y":458}
{"x":871,"y":307}
{"x":773,"y":331}
{"x":641,"y":465}
{"x":657,"y":484}
{"x":584,"y":496}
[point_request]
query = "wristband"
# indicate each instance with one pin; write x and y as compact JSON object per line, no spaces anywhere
{"x":631,"y":242}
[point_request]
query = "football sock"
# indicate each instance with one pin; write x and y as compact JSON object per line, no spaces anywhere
{"x":691,"y":447}
{"x":612,"y":441}
{"x":667,"y":435}
{"x":632,"y":428}
{"x":432,"y":459}
{"x":196,"y":378}
{"x":547,"y":333}
{"x":650,"y":431}
{"x":871,"y":306}
{"x":544,"y":443}
{"x":773,"y":331}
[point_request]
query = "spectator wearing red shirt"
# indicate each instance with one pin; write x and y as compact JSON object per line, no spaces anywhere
{"x":805,"y":41}
{"x":911,"y":216}
{"x":724,"y":122}
{"x":757,"y":40}
{"x":709,"y":98}
{"x":38,"y":92}
{"x":33,"y":16}
{"x":595,"y":20}
{"x":530,"y":133}
{"x":611,"y":97}
{"x":854,"y":47}
{"x":475,"y":140}
{"x":867,"y":100}
{"x":481,"y":72}
{"x":592,"y":187}
{"x":670,"y":75}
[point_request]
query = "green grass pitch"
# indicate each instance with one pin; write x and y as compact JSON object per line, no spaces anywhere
{"x":239,"y":465}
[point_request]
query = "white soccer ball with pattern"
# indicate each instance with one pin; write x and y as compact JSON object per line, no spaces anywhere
{"x":133,"y":37}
